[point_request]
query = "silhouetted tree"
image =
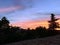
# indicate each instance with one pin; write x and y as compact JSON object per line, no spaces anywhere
{"x":53,"y":24}
{"x":28,"y":29}
{"x":4,"y":22}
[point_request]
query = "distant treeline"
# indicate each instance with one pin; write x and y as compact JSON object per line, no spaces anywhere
{"x":9,"y":34}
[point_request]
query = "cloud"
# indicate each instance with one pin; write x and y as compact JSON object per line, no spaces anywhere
{"x":9,"y":9}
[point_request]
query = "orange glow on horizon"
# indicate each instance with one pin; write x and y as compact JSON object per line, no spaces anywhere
{"x":32,"y":24}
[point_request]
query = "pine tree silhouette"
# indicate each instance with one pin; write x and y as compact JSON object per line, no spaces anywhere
{"x":53,"y":24}
{"x":4,"y":22}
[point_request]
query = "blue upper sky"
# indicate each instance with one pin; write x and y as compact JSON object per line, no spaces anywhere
{"x":29,"y":9}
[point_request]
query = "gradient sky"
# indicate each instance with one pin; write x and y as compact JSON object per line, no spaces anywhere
{"x":29,"y":12}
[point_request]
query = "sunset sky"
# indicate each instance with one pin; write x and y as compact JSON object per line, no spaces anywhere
{"x":29,"y":13}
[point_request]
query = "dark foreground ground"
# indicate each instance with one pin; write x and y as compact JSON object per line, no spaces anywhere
{"x":53,"y":40}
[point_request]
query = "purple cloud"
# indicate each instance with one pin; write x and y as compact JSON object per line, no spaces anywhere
{"x":9,"y":9}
